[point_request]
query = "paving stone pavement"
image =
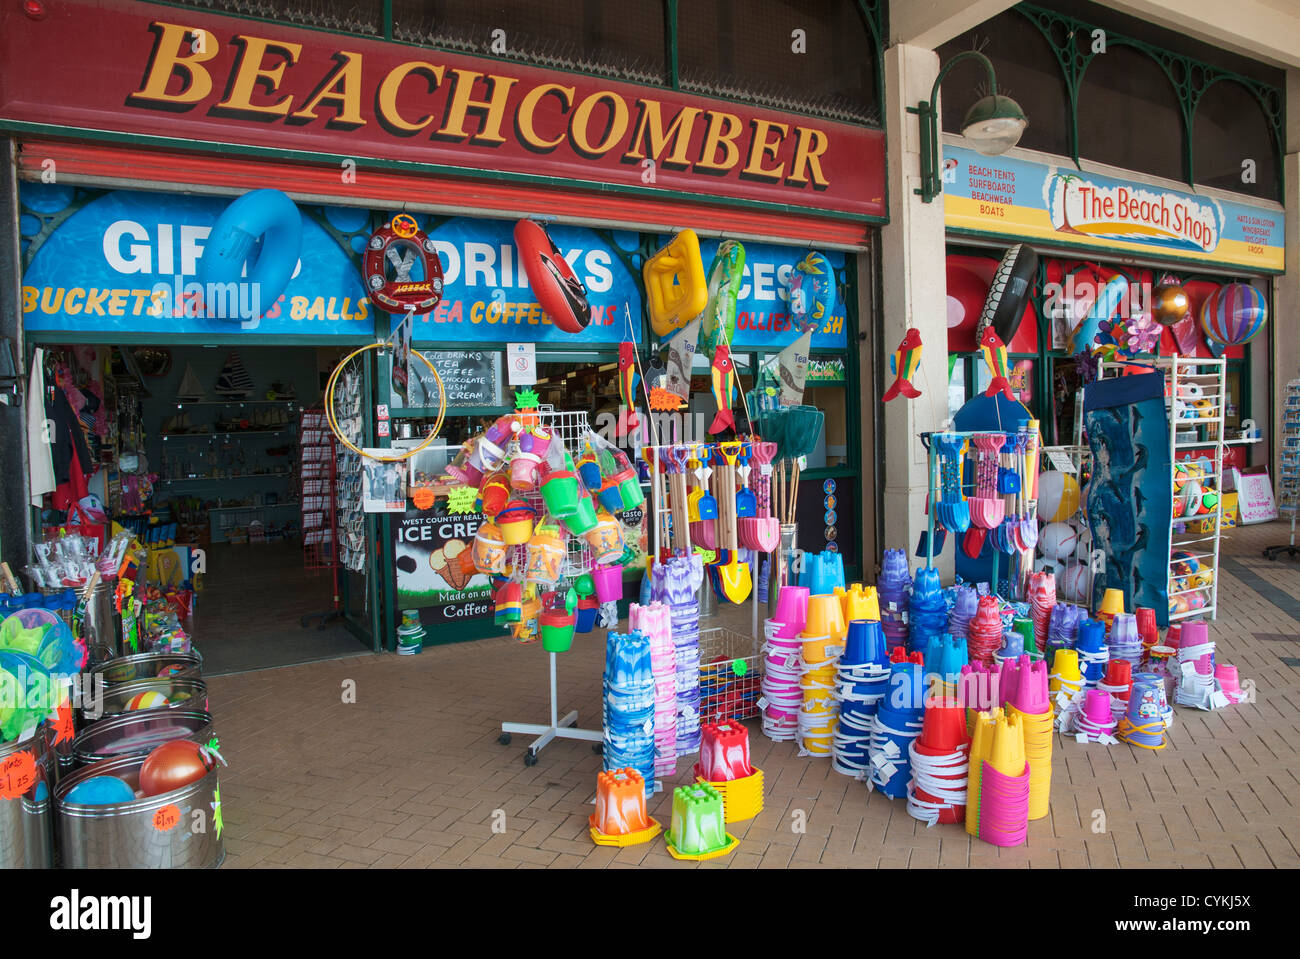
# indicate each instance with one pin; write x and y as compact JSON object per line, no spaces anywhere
{"x":411,"y":775}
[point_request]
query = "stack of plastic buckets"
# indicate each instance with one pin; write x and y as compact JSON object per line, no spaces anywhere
{"x":1195,"y":674}
{"x":1118,"y":682}
{"x":1063,"y":628}
{"x":940,"y":762}
{"x":862,"y":683}
{"x":1025,"y":696}
{"x":1145,"y":617}
{"x":655,"y":623}
{"x":1093,"y":652}
{"x":927,"y":610}
{"x":1095,"y":722}
{"x":724,"y":764}
{"x":782,"y":695}
{"x":965,"y":602}
{"x":1143,"y":726}
{"x":1042,"y":597}
{"x":979,"y":690}
{"x":823,"y":638}
{"x":1158,"y":681}
{"x":944,"y":660}
{"x":1125,"y":640}
{"x":630,"y":706}
{"x":897,"y":723}
{"x":698,"y":829}
{"x":620,"y":818}
{"x":893,"y":587}
{"x":677,"y":583}
{"x":997,"y":804}
{"x":984,"y":635}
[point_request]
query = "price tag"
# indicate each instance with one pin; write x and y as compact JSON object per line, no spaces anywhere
{"x":762,"y":702}
{"x":17,"y":774}
{"x":1060,"y":461}
{"x":834,"y":650}
{"x":167,"y":817}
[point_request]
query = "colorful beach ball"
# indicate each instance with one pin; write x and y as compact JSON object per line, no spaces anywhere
{"x":149,"y":700}
{"x":1232,"y":314}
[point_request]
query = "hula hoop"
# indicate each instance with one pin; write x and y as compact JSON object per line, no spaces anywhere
{"x":333,"y":423}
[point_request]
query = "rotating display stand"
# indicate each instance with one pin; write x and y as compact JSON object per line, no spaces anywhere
{"x":570,"y":429}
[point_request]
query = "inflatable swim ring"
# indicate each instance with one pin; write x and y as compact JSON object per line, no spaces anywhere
{"x":812,"y":292}
{"x":675,"y":287}
{"x":402,"y":243}
{"x":1009,"y":292}
{"x":267,"y":214}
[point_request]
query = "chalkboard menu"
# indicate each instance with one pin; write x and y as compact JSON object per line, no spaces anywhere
{"x":469,"y":378}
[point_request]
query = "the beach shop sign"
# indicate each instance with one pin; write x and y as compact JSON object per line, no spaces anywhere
{"x":1021,"y":199}
{"x":1133,"y":213}
{"x":149,"y":69}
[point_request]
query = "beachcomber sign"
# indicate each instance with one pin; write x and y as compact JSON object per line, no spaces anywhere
{"x":1061,"y":205}
{"x":182,"y":74}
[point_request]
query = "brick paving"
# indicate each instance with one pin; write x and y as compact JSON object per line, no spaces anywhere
{"x":411,"y":775}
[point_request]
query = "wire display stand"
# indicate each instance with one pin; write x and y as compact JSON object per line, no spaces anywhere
{"x":1288,"y":479}
{"x":1082,"y":567}
{"x":1195,"y":398}
{"x":317,"y":478}
{"x":570,"y":428}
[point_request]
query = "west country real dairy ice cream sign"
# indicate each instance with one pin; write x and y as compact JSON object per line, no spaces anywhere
{"x":1020,"y":199}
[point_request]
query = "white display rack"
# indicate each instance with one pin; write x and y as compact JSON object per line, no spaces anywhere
{"x":1288,"y":477}
{"x":1195,"y":399}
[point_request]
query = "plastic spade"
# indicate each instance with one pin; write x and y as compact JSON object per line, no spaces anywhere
{"x":951,"y":510}
{"x":746,"y":501}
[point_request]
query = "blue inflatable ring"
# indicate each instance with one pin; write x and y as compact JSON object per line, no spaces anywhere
{"x":268,"y":214}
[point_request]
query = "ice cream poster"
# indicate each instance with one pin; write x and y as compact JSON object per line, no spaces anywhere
{"x":435,"y":572}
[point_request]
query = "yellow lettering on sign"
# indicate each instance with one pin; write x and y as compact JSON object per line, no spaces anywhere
{"x":761,"y":148}
{"x":807,"y":156}
{"x":722,"y":133}
{"x":386,"y":98}
{"x":493,"y":109}
{"x":525,"y":125}
{"x":615,"y":124}
{"x":166,"y":61}
{"x":650,"y":125}
{"x":250,"y":74}
{"x":342,"y":88}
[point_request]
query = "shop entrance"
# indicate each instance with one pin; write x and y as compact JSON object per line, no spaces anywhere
{"x":200,"y":453}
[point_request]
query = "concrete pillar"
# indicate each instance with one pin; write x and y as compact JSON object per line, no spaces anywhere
{"x":1286,"y":288}
{"x":913,"y":295}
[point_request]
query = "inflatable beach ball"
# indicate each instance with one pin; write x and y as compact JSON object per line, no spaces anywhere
{"x":148,"y":700}
{"x":1073,"y":584}
{"x":1058,"y":541}
{"x":1233,"y":314}
{"x":1058,"y":496}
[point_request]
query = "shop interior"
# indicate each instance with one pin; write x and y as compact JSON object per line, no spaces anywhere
{"x":196,"y":449}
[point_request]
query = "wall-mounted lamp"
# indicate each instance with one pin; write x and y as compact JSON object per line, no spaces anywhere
{"x":993,"y":126}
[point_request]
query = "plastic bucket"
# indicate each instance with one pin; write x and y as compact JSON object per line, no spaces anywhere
{"x":180,"y":694}
{"x":137,"y":733}
{"x":129,"y":669}
{"x":26,"y":822}
{"x":153,"y":832}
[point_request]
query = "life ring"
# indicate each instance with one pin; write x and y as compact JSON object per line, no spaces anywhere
{"x":812,"y":292}
{"x":1004,"y":307}
{"x":401,"y":243}
{"x":268,"y":214}
{"x":558,"y":290}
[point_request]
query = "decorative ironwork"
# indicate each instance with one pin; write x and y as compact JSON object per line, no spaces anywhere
{"x":1190,"y":78}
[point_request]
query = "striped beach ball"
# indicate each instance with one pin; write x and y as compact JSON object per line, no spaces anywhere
{"x":1232,"y":314}
{"x":149,"y":700}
